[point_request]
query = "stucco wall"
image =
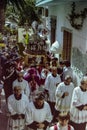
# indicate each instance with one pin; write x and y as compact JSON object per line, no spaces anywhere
{"x":56,"y":11}
{"x":79,"y":60}
{"x":79,"y":37}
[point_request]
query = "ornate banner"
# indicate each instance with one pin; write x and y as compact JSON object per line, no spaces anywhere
{"x":37,"y":47}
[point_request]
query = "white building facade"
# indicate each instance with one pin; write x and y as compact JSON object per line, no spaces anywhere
{"x":71,"y":36}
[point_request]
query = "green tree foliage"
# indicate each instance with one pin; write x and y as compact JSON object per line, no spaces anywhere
{"x":3,"y":6}
{"x":29,"y":14}
{"x":19,"y":10}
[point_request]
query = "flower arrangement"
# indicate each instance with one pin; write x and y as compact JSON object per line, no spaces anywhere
{"x":77,"y":19}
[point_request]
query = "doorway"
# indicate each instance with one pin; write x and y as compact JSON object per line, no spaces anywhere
{"x":67,"y":45}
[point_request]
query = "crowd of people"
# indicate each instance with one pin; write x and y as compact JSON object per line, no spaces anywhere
{"x":43,"y":93}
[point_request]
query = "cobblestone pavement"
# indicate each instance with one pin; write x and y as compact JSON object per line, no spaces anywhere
{"x":4,"y":114}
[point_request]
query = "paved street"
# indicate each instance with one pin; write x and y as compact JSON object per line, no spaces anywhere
{"x":3,"y":116}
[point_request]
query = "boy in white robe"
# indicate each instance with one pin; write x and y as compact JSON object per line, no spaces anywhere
{"x":22,"y":83}
{"x":17,"y":106}
{"x":69,"y":71}
{"x":64,"y":95}
{"x":52,"y":80}
{"x":39,"y":114}
{"x":63,"y":120}
{"x":78,"y":109}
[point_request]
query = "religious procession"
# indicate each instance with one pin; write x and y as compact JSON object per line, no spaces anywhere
{"x":43,"y":90}
{"x":40,"y":90}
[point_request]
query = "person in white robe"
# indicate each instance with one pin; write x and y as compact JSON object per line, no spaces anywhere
{"x":17,"y":106}
{"x":64,"y":95}
{"x":40,"y":115}
{"x":78,"y":109}
{"x":63,"y":122}
{"x":23,"y":83}
{"x":69,"y":71}
{"x":52,"y":80}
